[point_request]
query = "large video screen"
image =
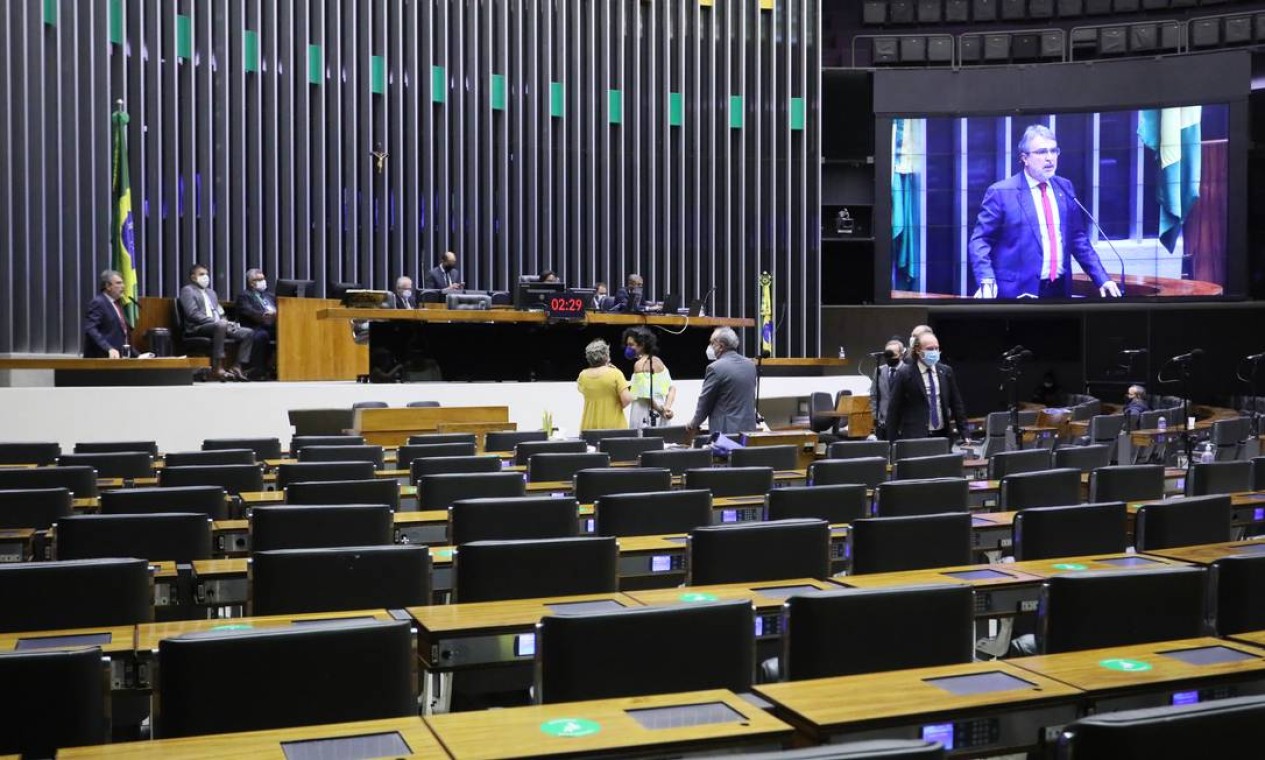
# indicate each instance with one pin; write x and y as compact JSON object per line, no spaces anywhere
{"x":1061,"y":206}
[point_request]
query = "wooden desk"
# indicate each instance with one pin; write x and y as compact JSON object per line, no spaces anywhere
{"x":16,"y":545}
{"x":393,"y":426}
{"x":767,"y":598}
{"x":1255,"y":638}
{"x":603,"y":728}
{"x":118,"y":642}
{"x":309,"y":348}
{"x":900,"y":704}
{"x":1044,"y":568}
{"x":1247,"y":508}
{"x":805,"y":442}
{"x":261,"y":745}
{"x":80,"y":373}
{"x":1206,"y":554}
{"x":215,"y":583}
{"x":1000,"y":590}
{"x":1149,"y":675}
{"x":148,"y":635}
{"x":511,"y":316}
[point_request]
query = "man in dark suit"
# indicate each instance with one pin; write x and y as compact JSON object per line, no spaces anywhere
{"x":631,"y":297}
{"x":105,"y":329}
{"x":204,"y":317}
{"x":403,"y":297}
{"x":1029,"y":226}
{"x":257,"y":311}
{"x":446,"y":276}
{"x":925,"y":401}
{"x":1135,"y":402}
{"x":727,"y":398}
{"x":881,"y":393}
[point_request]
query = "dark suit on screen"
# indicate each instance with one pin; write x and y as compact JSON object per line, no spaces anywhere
{"x":909,"y":409}
{"x":1006,"y":243}
{"x":727,"y":399}
{"x":102,"y":328}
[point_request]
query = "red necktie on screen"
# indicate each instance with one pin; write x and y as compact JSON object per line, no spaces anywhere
{"x":1049,"y":231}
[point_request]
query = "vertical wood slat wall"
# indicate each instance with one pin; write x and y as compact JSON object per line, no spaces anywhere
{"x":254,"y":123}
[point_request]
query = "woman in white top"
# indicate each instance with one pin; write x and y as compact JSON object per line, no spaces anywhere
{"x":652,"y":389}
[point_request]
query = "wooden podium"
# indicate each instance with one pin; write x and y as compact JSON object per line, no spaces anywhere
{"x":860,"y":420}
{"x":393,"y":426}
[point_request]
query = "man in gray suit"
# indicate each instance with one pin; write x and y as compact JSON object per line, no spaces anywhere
{"x":727,"y":399}
{"x":881,"y":392}
{"x":204,"y":317}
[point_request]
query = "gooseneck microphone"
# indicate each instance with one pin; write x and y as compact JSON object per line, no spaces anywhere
{"x":1103,"y":235}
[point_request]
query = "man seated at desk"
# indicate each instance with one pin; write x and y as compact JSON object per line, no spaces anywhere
{"x":204,"y":317}
{"x":446,"y":276}
{"x":631,"y":297}
{"x":403,"y":296}
{"x":257,"y":311}
{"x":105,"y":330}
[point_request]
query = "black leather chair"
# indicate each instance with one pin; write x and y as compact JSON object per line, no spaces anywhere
{"x":859,"y":450}
{"x":320,"y":421}
{"x":1165,"y":732}
{"x":866,"y":471}
{"x":509,"y":519}
{"x":1046,"y":532}
{"x":1103,"y":431}
{"x":80,"y":481}
{"x":117,"y":447}
{"x":41,"y":454}
{"x":431,"y":439}
{"x":366,"y":453}
{"x":264,"y":448}
{"x":209,"y":457}
{"x":1084,"y":458}
{"x":909,"y":498}
{"x":442,"y":465}
{"x":225,"y":681}
{"x":628,"y":449}
{"x":46,"y":596}
{"x":731,"y":481}
{"x":1207,"y":478}
{"x":313,"y":472}
{"x":206,"y":500}
{"x":422,"y":404}
{"x":713,"y":647}
{"x":1186,"y":521}
{"x":1051,"y":488}
{"x":292,"y":581}
{"x":524,"y":451}
{"x":891,"y":544}
{"x":1127,"y":483}
{"x":677,"y":435}
{"x":677,"y":460}
{"x":117,"y":464}
{"x":841,"y":633}
{"x":440,"y":491}
{"x":1018,"y":462}
{"x":490,"y":571}
{"x":370,"y":405}
{"x":876,"y":749}
{"x":653,"y":514}
{"x":233,"y":478}
{"x":320,"y":526}
{"x":760,"y":551}
{"x":300,"y":442}
{"x":182,"y":537}
{"x":35,"y":508}
{"x":58,"y":699}
{"x":593,"y":437}
{"x":834,"y":504}
{"x":552,"y":467}
{"x":405,"y":456}
{"x":506,"y":440}
{"x":777,"y":457}
{"x":591,"y":485}
{"x":924,"y":468}
{"x":1113,"y":609}
{"x":920,"y":447}
{"x":1258,"y":473}
{"x":1240,"y":593}
{"x":375,"y":491}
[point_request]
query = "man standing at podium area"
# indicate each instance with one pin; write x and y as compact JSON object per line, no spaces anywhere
{"x":727,"y":399}
{"x":105,"y":329}
{"x":925,"y":401}
{"x":446,"y":276}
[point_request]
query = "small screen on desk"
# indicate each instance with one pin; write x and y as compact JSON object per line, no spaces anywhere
{"x":977,"y":575}
{"x":575,"y":608}
{"x":1214,"y":655}
{"x":78,"y":640}
{"x":525,"y":645}
{"x":728,"y":515}
{"x":681,"y":716}
{"x":1129,"y":561}
{"x":1258,"y":515}
{"x":782,"y":592}
{"x":318,"y":621}
{"x":1185,"y":697}
{"x":980,"y":683}
{"x":389,"y":744}
{"x":660,"y":563}
{"x":940,"y":732}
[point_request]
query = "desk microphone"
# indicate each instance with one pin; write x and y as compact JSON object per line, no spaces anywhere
{"x":1103,"y":235}
{"x":1133,"y":351}
{"x":875,"y":354}
{"x":1190,"y":356}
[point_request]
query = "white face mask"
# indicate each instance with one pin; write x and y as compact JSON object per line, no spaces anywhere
{"x":261,"y":285}
{"x":711,"y":353}
{"x":203,"y":281}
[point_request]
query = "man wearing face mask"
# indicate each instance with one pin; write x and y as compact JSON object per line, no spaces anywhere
{"x":403,"y":296}
{"x":204,"y":317}
{"x":599,"y":297}
{"x":446,"y":276}
{"x":881,"y":391}
{"x":727,"y":398}
{"x":925,"y":401}
{"x":630,"y":297}
{"x":257,"y":310}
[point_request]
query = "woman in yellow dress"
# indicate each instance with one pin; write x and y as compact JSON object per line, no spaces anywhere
{"x":605,"y":390}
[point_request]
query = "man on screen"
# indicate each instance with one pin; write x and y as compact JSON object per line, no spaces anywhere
{"x":1028,"y":225}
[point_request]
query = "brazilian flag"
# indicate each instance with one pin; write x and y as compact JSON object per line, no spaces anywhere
{"x":122,"y":229}
{"x":906,"y":203}
{"x":1174,"y":135}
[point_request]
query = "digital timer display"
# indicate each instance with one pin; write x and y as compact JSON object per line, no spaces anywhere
{"x":565,"y":305}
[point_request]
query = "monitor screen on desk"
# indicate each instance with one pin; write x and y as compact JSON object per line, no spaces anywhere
{"x":533,"y":295}
{"x":296,"y":288}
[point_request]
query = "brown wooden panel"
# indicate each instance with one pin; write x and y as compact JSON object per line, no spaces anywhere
{"x":393,"y":426}
{"x":309,"y":348}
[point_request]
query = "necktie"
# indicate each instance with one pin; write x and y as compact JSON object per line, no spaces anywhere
{"x":118,"y":310}
{"x":1050,"y":232}
{"x":935,"y":399}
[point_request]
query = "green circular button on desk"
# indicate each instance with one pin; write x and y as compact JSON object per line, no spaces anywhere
{"x":698,"y":596}
{"x":233,"y":627}
{"x":1125,"y":666}
{"x":1070,"y":566}
{"x":570,"y":728}
{"x":444,"y":553}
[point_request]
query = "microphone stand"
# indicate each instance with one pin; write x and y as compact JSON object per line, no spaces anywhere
{"x":654,"y":415}
{"x":1012,"y":369}
{"x":1103,"y":235}
{"x":1188,"y":442}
